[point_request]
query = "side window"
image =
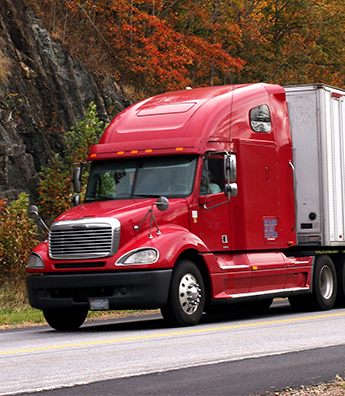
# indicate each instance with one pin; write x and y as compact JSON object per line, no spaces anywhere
{"x":212,"y":178}
{"x":260,"y":119}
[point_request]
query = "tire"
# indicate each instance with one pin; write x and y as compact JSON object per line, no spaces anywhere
{"x":65,"y":319}
{"x":324,"y":288}
{"x":340,"y":268}
{"x":186,"y":298}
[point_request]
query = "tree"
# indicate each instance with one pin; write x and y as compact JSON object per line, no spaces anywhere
{"x":291,"y":41}
{"x":160,"y":45}
{"x":55,"y":195}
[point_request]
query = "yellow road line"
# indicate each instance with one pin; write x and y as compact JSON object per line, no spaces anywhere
{"x":175,"y":333}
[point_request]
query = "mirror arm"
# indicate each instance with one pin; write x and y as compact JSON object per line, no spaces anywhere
{"x":162,"y":204}
{"x":34,"y":215}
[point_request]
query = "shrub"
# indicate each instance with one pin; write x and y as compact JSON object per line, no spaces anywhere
{"x":18,"y":236}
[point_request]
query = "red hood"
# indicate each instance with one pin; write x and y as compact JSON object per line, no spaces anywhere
{"x":129,"y":211}
{"x":106,"y":209}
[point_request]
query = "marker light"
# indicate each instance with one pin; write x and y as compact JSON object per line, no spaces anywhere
{"x":35,"y":262}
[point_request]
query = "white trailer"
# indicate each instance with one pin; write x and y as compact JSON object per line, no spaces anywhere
{"x":317,"y":118}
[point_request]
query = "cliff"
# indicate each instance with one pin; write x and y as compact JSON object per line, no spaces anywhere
{"x":43,"y":92}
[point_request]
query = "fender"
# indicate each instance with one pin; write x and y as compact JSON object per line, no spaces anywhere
{"x":171,"y":243}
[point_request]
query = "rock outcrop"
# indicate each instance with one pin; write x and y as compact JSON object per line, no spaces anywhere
{"x":43,"y":92}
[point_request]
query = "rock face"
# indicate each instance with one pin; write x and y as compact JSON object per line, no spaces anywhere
{"x":43,"y":92}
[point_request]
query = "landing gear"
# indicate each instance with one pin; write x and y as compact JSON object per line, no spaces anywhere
{"x":186,"y":296}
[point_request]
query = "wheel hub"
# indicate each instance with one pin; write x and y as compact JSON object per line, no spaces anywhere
{"x":189,"y":294}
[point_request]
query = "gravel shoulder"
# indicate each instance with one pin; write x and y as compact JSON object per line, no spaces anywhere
{"x":334,"y":388}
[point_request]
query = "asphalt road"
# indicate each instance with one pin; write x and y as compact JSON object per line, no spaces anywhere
{"x":224,"y":355}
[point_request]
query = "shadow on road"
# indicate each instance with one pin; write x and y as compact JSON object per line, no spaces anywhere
{"x":154,"y":322}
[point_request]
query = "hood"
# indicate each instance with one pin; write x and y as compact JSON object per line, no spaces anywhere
{"x":129,"y":211}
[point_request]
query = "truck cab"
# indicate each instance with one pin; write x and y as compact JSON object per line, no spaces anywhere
{"x":190,"y":204}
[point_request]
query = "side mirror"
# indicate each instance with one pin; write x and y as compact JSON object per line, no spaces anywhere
{"x":230,"y":167}
{"x":76,"y":178}
{"x":33,"y":213}
{"x":162,"y":203}
{"x":231,"y":189}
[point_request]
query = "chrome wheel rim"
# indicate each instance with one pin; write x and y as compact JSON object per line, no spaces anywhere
{"x":326,"y":282}
{"x":189,"y":294}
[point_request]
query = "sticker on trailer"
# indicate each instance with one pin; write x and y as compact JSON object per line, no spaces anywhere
{"x":270,"y":225}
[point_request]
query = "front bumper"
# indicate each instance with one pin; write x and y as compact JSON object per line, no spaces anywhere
{"x":123,"y":290}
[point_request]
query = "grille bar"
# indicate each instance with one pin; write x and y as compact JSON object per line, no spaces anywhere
{"x":84,"y":239}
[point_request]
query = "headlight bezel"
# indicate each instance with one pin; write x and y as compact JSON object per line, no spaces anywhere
{"x":140,"y":256}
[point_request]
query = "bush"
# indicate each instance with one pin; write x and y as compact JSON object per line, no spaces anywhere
{"x":18,"y":236}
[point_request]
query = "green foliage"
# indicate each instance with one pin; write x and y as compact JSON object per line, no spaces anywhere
{"x":55,"y":189}
{"x":17,"y":237}
{"x":55,"y":194}
{"x":83,"y":135}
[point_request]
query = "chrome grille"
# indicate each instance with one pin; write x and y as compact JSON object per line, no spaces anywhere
{"x":84,"y":239}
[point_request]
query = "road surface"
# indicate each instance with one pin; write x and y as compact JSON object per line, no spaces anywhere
{"x":232,"y":354}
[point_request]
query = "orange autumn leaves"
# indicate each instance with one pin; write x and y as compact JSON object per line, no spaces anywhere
{"x":159,"y":45}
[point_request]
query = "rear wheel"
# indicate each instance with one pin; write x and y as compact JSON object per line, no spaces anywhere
{"x":340,"y":300}
{"x":324,"y":288}
{"x":65,"y":319}
{"x":186,"y":295}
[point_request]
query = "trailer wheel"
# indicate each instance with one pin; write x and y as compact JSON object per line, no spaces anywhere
{"x":65,"y":319}
{"x":324,"y":288}
{"x":186,"y":296}
{"x":340,"y":268}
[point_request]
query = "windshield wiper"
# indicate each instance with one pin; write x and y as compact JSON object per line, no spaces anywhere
{"x":99,"y":199}
{"x":146,"y":195}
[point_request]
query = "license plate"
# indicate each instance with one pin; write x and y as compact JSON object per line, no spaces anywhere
{"x":99,"y":304}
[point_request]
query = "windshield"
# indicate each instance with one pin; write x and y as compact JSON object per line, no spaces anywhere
{"x":142,"y":177}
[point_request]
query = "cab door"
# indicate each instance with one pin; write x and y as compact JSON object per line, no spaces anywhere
{"x":211,"y":216}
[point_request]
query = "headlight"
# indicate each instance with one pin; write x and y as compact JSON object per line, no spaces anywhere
{"x":35,"y":262}
{"x":139,"y":256}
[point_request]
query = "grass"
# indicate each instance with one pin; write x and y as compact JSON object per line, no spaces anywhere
{"x":15,"y":310}
{"x":27,"y":316}
{"x":14,"y":307}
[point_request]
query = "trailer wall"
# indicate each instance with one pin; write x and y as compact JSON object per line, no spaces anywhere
{"x":317,"y":118}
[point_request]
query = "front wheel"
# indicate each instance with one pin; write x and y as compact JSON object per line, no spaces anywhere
{"x":186,"y":298}
{"x":65,"y":319}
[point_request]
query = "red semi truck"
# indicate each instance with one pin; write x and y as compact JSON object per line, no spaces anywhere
{"x":201,"y":199}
